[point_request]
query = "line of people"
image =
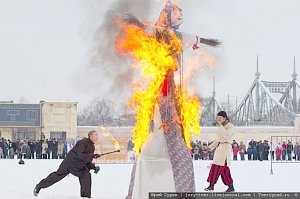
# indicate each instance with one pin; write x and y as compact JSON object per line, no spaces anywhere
{"x":40,"y":149}
{"x":256,"y":150}
{"x":287,"y":151}
{"x":200,"y":151}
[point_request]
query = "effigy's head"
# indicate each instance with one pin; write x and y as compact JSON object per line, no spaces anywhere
{"x":170,"y":16}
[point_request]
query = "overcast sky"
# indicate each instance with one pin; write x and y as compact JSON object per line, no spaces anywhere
{"x":46,"y":46}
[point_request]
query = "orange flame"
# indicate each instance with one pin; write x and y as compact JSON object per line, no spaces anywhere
{"x":189,"y":108}
{"x":106,"y":133}
{"x":116,"y":145}
{"x":201,"y":59}
{"x":154,"y":58}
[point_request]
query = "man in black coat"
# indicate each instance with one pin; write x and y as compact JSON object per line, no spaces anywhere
{"x":289,"y":149}
{"x":32,"y":148}
{"x":54,"y":149}
{"x":38,"y":149}
{"x":14,"y":145}
{"x":49,"y":143}
{"x":77,"y":162}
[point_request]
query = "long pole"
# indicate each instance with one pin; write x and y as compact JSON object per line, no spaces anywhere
{"x":110,"y":152}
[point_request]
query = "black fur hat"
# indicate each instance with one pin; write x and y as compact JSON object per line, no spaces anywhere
{"x":223,"y":114}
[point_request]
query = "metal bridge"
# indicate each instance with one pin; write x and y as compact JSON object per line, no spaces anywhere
{"x":266,"y":103}
{"x":210,"y":108}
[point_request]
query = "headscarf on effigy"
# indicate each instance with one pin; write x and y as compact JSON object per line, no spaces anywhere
{"x":166,"y":27}
{"x":164,"y":19}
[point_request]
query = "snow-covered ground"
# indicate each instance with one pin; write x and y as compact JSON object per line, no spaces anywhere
{"x":18,"y":181}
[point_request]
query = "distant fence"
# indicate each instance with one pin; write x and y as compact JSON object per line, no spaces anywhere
{"x":106,"y":145}
{"x":282,"y":156}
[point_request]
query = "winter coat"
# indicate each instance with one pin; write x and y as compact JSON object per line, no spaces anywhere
{"x":242,"y":148}
{"x":54,"y":148}
{"x":23,"y":148}
{"x":260,"y":147}
{"x":196,"y":149}
{"x":254,"y":150}
{"x":44,"y":148}
{"x":11,"y":153}
{"x":249,"y":150}
{"x":222,"y":144}
{"x":266,"y":147}
{"x":204,"y":150}
{"x":278,"y":153}
{"x":60,"y":148}
{"x":50,"y":146}
{"x":38,"y":147}
{"x":28,"y":151}
{"x":273,"y":148}
{"x":289,"y":147}
{"x":298,"y":149}
{"x":283,"y":146}
{"x":32,"y":146}
{"x":130,"y":145}
{"x":14,"y":146}
{"x":79,"y":158}
{"x":20,"y":145}
{"x":252,"y":144}
{"x":5,"y":148}
{"x":1,"y":152}
{"x":235,"y":150}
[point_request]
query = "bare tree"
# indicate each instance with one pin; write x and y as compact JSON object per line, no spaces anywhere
{"x":103,"y":111}
{"x":99,"y":112}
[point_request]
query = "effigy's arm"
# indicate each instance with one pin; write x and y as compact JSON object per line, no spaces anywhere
{"x":132,"y":20}
{"x":188,"y":39}
{"x":193,"y":41}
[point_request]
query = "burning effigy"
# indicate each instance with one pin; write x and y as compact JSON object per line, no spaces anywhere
{"x":166,"y":114}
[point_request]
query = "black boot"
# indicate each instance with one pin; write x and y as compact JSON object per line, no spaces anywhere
{"x":209,"y":188}
{"x":36,"y":190}
{"x":230,"y":188}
